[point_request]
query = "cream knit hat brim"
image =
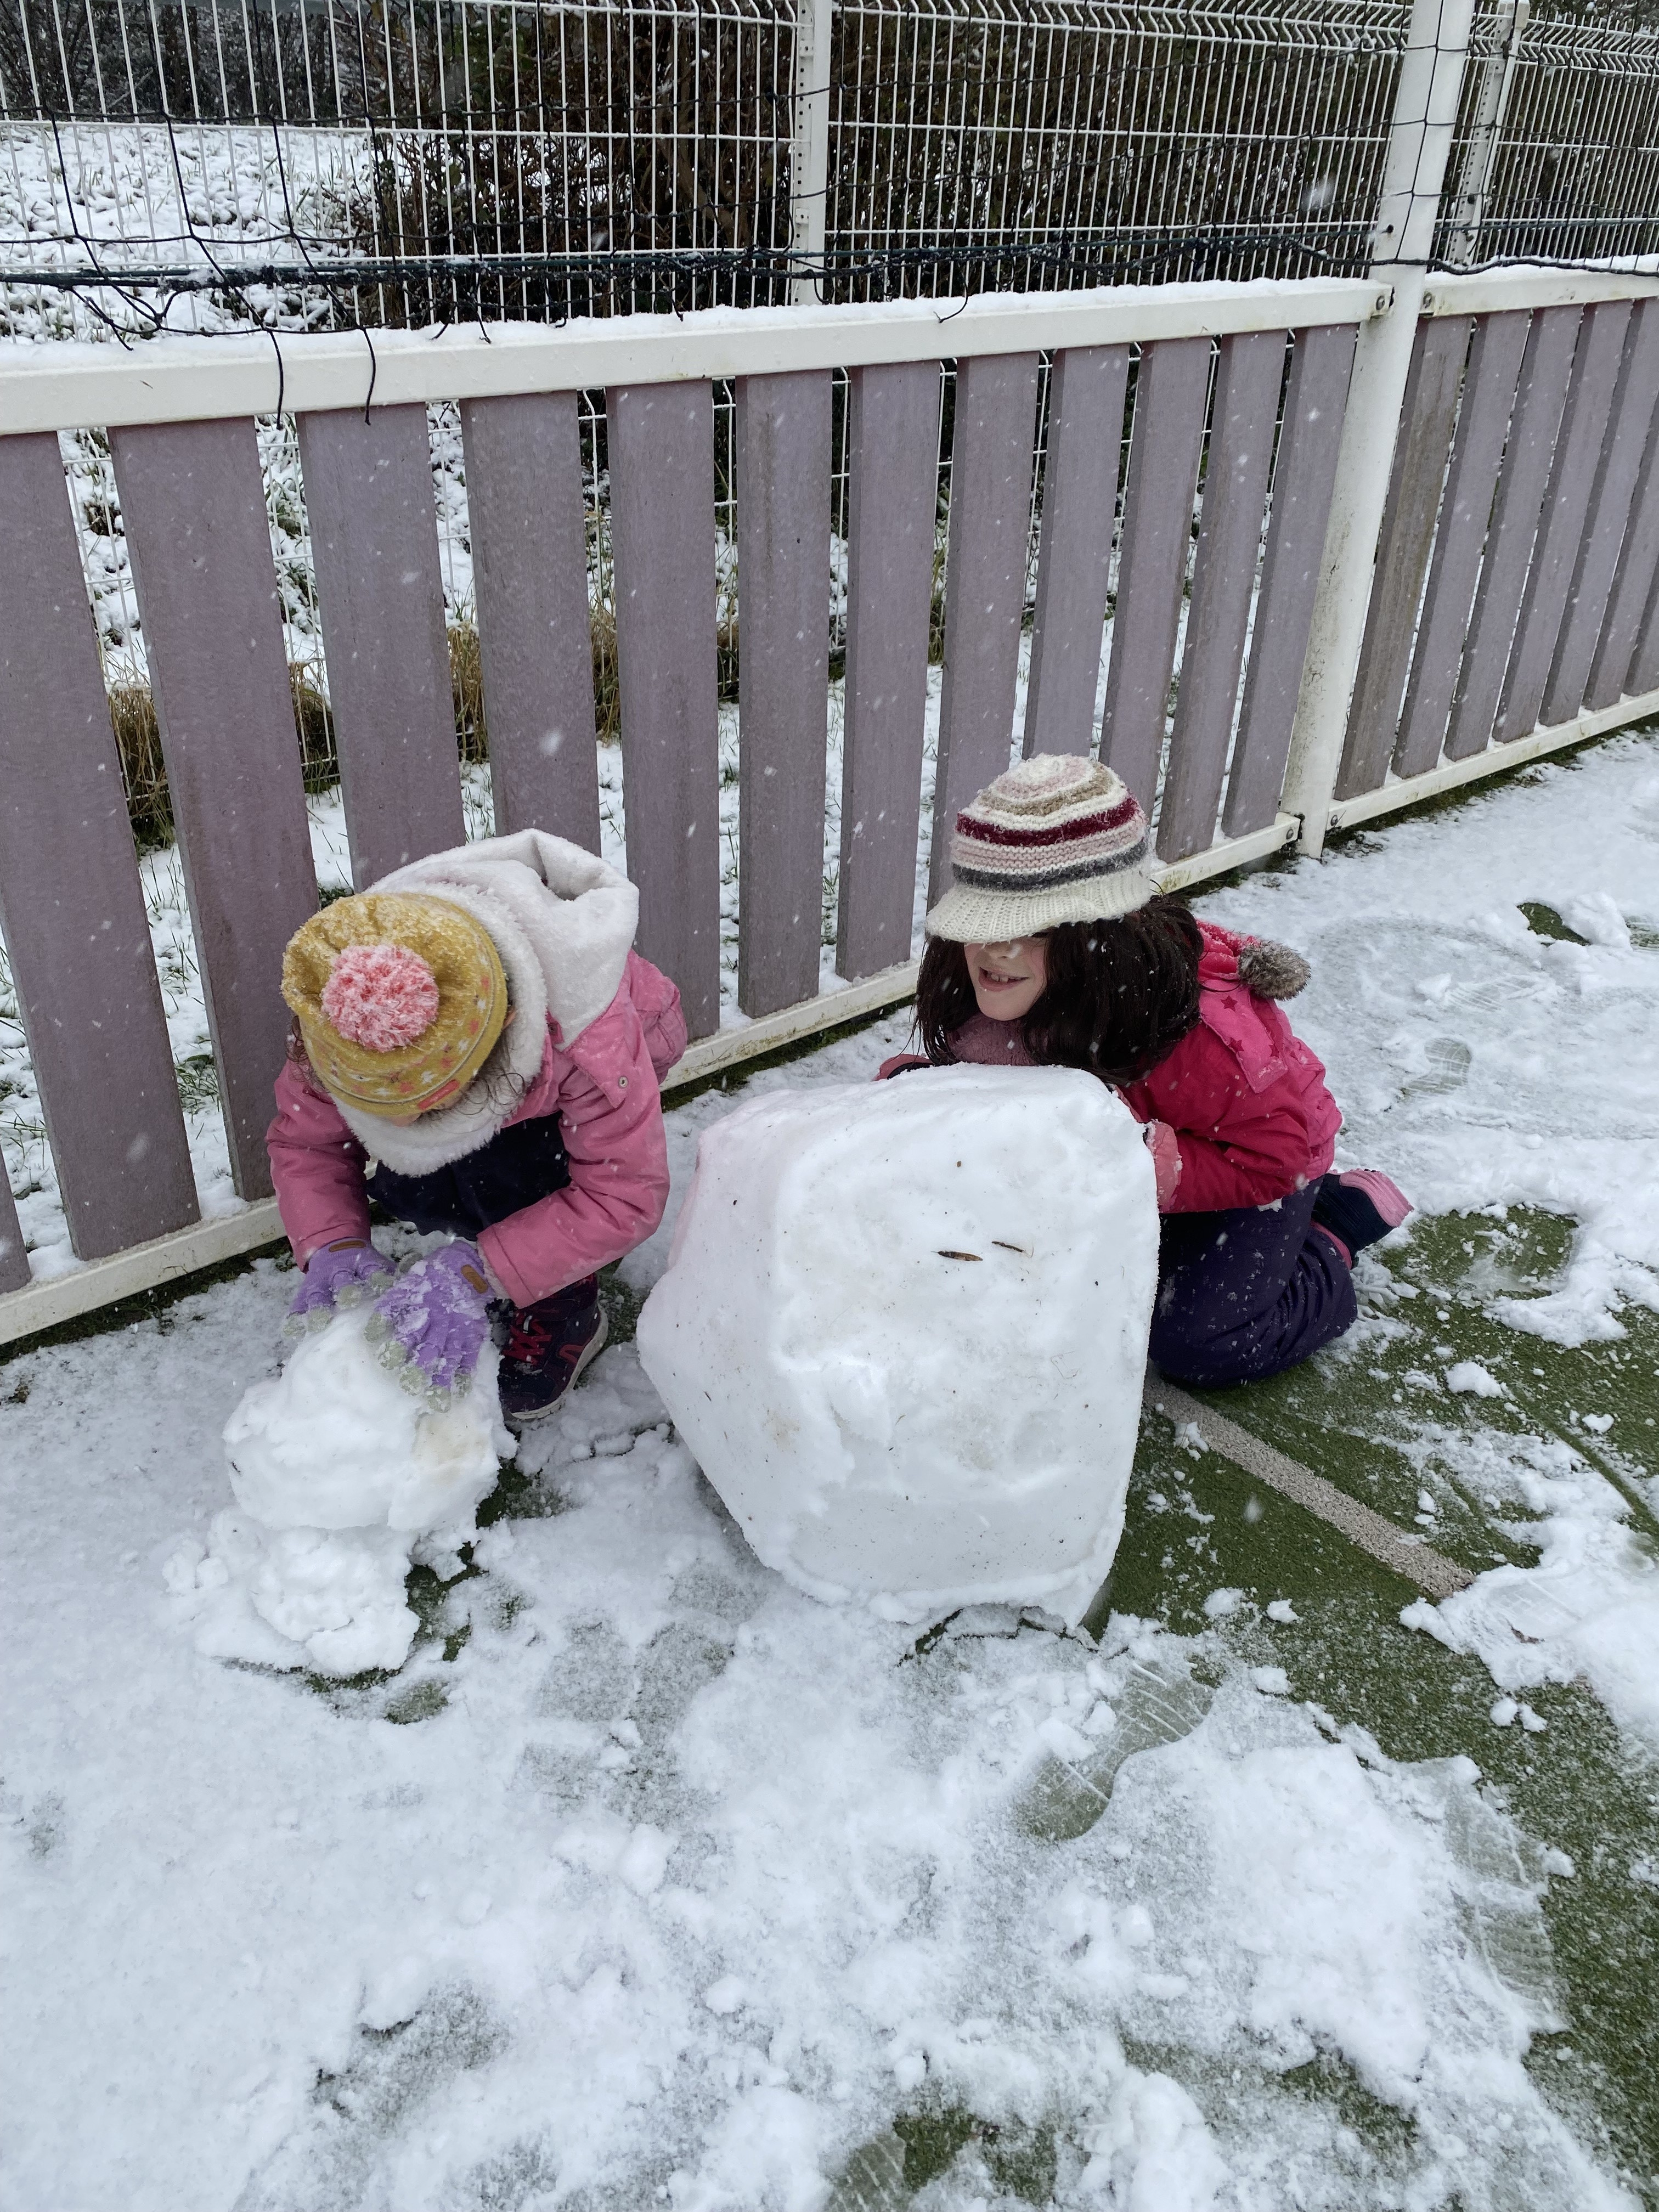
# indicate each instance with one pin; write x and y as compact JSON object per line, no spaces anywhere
{"x":974,"y":916}
{"x":1056,"y":839}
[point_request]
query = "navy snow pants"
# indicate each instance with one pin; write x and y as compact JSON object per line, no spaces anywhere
{"x":1243,"y":1294}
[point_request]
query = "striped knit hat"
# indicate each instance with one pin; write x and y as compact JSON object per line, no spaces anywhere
{"x":1056,"y":839}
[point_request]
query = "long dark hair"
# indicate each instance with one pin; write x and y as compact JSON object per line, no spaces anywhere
{"x":1121,"y":995}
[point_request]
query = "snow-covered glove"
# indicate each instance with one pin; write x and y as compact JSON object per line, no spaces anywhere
{"x":335,"y":1276}
{"x":1165,"y":1148}
{"x":433,"y":1323}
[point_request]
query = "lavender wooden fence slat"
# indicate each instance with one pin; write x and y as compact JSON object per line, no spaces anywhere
{"x":1561,"y":529}
{"x":1602,"y":544}
{"x":1157,"y":511}
{"x":984,"y":583}
{"x":1402,"y":554}
{"x":892,"y":448}
{"x":71,"y":905}
{"x":1248,"y":381}
{"x":1079,"y":509}
{"x":524,"y":501}
{"x":14,"y":1259}
{"x":1304,"y":480}
{"x":1644,"y":661}
{"x":193,"y":500}
{"x":1545,"y":372}
{"x":785,"y":433}
{"x":1638,"y":562}
{"x":379,"y":591}
{"x":661,"y":443}
{"x":1489,"y":388}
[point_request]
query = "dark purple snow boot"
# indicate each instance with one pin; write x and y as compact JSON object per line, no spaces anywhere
{"x":548,"y":1346}
{"x":1361,"y":1207}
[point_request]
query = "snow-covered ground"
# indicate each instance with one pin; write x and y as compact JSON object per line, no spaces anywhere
{"x":674,"y":1887}
{"x":121,"y":198}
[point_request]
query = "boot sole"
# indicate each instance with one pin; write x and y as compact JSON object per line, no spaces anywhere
{"x":520,"y":1422}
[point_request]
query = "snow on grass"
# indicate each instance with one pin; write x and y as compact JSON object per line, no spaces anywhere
{"x":1479,"y":1062}
{"x":123,"y":197}
{"x":676,"y":1887}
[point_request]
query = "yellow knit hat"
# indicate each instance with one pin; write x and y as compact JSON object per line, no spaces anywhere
{"x":399,"y":996}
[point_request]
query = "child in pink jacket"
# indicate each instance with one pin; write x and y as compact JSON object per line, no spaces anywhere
{"x":1052,"y":947}
{"x":478,"y":1049}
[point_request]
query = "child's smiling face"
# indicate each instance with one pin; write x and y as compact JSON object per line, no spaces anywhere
{"x":1008,"y":978}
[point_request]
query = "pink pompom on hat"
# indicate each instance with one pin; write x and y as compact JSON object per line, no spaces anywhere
{"x":381,"y":996}
{"x":400,"y":997}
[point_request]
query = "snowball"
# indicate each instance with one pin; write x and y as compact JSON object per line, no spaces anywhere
{"x":903,"y":1329}
{"x":338,"y":1471}
{"x":336,"y":1441}
{"x":1470,"y":1379}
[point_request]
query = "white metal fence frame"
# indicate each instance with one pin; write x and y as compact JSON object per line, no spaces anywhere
{"x":1394,"y":310}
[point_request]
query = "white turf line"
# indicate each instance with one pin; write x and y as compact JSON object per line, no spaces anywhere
{"x":1435,"y":1574}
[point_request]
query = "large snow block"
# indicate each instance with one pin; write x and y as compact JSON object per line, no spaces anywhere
{"x":903,"y":1329}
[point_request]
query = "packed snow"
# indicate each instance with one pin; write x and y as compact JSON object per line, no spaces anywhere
{"x":341,"y":1475}
{"x":881,"y":1300}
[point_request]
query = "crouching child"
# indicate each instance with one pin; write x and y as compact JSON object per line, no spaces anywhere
{"x":477,"y":1048}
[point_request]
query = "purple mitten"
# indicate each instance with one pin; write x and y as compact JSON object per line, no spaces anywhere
{"x":435,"y":1318}
{"x":335,"y":1275}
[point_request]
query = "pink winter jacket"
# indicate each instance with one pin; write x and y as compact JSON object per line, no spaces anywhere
{"x":603,"y":1088}
{"x":1245,"y":1097}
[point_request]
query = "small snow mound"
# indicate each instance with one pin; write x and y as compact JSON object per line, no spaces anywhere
{"x":1470,"y":1379}
{"x":339,"y":1472}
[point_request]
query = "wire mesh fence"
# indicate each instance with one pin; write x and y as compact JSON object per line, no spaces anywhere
{"x":1063,"y":142}
{"x":298,"y":163}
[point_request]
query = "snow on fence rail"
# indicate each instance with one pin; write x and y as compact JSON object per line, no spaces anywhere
{"x":1340,"y":543}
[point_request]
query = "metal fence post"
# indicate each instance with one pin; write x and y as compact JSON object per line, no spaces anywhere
{"x":1497,"y":75}
{"x":1424,"y":114}
{"x":809,"y":153}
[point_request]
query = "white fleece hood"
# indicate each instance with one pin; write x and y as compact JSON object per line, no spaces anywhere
{"x":562,"y":922}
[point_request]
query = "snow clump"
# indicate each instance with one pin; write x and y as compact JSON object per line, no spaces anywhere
{"x":903,"y":1329}
{"x":343,"y":1476}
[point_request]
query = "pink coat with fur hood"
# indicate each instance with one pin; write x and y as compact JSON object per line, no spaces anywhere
{"x":1243,"y":1096}
{"x":596,"y":1029}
